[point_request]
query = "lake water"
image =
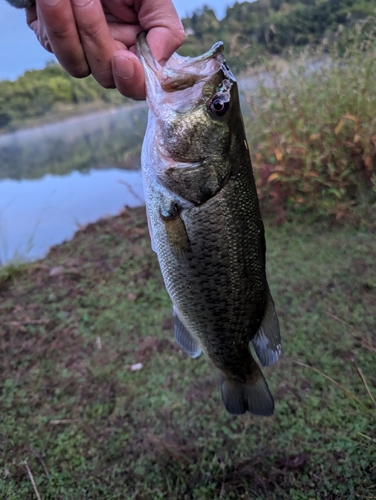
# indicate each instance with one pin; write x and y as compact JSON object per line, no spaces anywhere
{"x":58,"y":177}
{"x":36,"y":214}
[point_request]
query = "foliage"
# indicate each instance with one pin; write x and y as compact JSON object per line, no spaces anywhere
{"x":40,"y":92}
{"x":12,"y":270}
{"x":313,"y":132}
{"x":253,"y":29}
{"x":85,"y":424}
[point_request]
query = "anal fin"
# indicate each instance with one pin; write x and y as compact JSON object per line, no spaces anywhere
{"x":184,"y":338}
{"x":267,"y":341}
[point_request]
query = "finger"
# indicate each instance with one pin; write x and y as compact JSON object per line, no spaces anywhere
{"x":165,"y":30}
{"x":96,"y":39}
{"x":36,"y":26}
{"x":57,"y":23}
{"x":31,"y":15}
{"x":163,"y":42}
{"x":120,"y":10}
{"x":125,"y":34}
{"x":128,"y":74}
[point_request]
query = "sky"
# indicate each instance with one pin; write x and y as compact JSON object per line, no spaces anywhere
{"x":20,"y":50}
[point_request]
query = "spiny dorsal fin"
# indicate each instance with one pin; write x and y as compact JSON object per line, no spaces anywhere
{"x":267,"y":341}
{"x":185,"y":339}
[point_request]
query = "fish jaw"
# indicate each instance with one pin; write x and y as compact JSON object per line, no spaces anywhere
{"x":178,"y":85}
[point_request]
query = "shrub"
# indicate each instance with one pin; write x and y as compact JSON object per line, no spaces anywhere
{"x":313,"y":131}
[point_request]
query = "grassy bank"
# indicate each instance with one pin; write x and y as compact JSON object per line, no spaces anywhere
{"x":81,"y":421}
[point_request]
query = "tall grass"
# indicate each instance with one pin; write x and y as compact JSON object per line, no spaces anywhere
{"x":314,"y":129}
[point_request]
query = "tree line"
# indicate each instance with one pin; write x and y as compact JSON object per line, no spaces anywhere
{"x":51,"y":89}
{"x":254,"y":29}
{"x":249,"y":29}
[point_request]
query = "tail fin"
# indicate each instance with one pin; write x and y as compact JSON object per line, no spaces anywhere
{"x":253,"y":395}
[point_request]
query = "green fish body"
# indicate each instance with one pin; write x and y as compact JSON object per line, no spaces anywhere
{"x":205,"y":222}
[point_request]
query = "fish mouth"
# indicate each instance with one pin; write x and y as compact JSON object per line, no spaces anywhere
{"x":182,"y":83}
{"x":180,"y":72}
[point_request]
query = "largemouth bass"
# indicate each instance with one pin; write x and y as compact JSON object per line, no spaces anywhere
{"x":205,"y":222}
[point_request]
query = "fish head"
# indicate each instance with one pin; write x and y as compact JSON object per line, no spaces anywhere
{"x":192,"y":101}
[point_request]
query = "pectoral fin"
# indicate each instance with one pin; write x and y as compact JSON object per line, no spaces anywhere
{"x":267,"y":341}
{"x":176,"y":231}
{"x":153,"y":245}
{"x":185,"y":339}
{"x":177,"y":235}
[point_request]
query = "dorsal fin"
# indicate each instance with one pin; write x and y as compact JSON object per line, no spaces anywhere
{"x":184,"y":338}
{"x":267,"y":341}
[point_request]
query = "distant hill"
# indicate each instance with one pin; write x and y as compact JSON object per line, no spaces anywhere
{"x":251,"y":29}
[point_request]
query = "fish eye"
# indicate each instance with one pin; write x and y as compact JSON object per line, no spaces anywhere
{"x":218,"y":106}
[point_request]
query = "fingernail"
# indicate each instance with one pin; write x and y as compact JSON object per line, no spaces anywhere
{"x":124,"y":67}
{"x":51,"y":3}
{"x":81,"y":3}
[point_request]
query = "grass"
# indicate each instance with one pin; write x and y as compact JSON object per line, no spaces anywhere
{"x":80,"y":422}
{"x":12,"y":269}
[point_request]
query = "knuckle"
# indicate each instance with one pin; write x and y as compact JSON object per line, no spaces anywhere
{"x":108,"y":85}
{"x":82,"y":74}
{"x":63,"y":33}
{"x":81,"y":71}
{"x":105,"y":82}
{"x":90,"y":31}
{"x":133,"y":92}
{"x":180,"y":35}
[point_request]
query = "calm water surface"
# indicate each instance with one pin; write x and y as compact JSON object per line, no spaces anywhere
{"x":52,"y":179}
{"x":36,"y":214}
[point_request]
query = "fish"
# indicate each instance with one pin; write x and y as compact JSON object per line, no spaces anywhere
{"x":205,"y":222}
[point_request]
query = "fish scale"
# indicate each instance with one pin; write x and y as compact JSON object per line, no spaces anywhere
{"x":205,"y":222}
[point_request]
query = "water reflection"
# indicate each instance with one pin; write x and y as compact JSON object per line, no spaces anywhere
{"x":76,"y":143}
{"x":36,"y":214}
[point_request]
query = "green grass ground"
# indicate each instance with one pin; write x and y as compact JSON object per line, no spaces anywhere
{"x":80,"y":424}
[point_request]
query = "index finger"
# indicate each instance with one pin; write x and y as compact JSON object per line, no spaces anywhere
{"x":165,"y":30}
{"x":56,"y":17}
{"x":96,"y":39}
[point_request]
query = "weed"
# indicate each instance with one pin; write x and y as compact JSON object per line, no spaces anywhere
{"x":313,"y":130}
{"x":12,"y":269}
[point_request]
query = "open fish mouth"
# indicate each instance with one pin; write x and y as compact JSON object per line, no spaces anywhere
{"x":179,"y":84}
{"x":180,"y":72}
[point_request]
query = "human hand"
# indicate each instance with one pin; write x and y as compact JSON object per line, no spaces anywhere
{"x":90,"y":36}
